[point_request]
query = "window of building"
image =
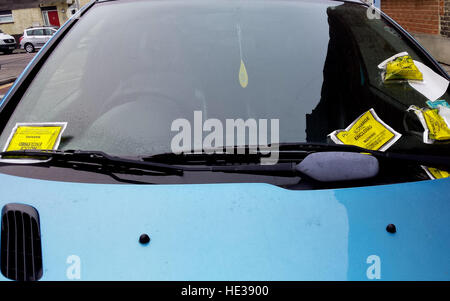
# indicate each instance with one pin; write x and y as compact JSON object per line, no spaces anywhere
{"x":6,"y":16}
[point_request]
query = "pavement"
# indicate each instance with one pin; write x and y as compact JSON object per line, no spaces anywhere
{"x":446,"y":68}
{"x":11,"y":65}
{"x":4,"y":89}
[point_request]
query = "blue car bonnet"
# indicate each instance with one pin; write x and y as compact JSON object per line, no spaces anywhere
{"x":238,"y":231}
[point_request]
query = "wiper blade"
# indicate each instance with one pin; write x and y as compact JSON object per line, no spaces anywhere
{"x":247,"y":154}
{"x":288,"y":152}
{"x":87,"y":157}
{"x":319,"y":166}
{"x":420,"y":159}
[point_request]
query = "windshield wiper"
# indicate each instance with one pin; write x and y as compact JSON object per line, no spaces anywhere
{"x":419,"y":159}
{"x":295,"y":160}
{"x":247,"y":154}
{"x":96,"y":159}
{"x":241,"y":159}
{"x":320,"y":166}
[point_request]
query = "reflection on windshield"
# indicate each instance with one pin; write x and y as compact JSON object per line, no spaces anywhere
{"x":310,"y":65}
{"x":352,"y":83}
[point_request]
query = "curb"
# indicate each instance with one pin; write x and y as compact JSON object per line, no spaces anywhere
{"x":445,"y":67}
{"x":7,"y":80}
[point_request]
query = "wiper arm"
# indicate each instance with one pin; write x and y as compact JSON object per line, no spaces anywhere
{"x":219,"y":159}
{"x":426,"y":160}
{"x":89,"y":157}
{"x":330,"y":166}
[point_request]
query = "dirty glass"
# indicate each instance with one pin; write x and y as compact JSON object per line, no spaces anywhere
{"x":310,"y":64}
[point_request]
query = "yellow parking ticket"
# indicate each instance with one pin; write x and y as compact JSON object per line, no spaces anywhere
{"x":435,"y":126}
{"x":367,"y":131}
{"x":37,"y":136}
{"x":435,"y":173}
{"x":402,"y":68}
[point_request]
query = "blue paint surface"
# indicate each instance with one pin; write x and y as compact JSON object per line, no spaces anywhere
{"x":238,"y":231}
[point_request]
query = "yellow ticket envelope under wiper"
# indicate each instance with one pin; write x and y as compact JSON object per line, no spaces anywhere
{"x":367,"y":131}
{"x":36,"y":136}
{"x":435,"y":173}
{"x":434,"y":124}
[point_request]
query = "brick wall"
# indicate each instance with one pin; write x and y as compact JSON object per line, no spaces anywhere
{"x":445,"y":19}
{"x":23,"y":18}
{"x":427,"y":20}
{"x":83,"y":2}
{"x":420,"y":16}
{"x":417,"y":16}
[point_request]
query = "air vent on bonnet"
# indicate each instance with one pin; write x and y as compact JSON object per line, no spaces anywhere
{"x":21,"y":255}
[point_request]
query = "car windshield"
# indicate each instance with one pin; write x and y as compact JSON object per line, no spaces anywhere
{"x":126,"y":71}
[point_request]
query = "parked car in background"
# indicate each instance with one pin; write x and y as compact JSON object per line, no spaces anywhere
{"x":36,"y":37}
{"x":7,"y":43}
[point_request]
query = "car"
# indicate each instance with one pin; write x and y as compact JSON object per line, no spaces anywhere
{"x":7,"y":43}
{"x":35,"y":37}
{"x":236,"y":140}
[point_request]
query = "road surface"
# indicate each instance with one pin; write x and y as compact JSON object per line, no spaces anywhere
{"x":11,"y":65}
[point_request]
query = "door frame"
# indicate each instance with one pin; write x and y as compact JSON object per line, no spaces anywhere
{"x":45,"y":11}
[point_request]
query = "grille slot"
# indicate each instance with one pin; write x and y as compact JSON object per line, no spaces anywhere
{"x":8,"y":40}
{"x":21,"y":253}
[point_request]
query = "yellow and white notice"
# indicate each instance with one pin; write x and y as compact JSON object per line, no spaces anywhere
{"x":35,"y":136}
{"x":435,"y":173}
{"x":434,"y":122}
{"x":367,"y":131}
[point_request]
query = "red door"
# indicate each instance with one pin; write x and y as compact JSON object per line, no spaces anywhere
{"x":53,"y":18}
